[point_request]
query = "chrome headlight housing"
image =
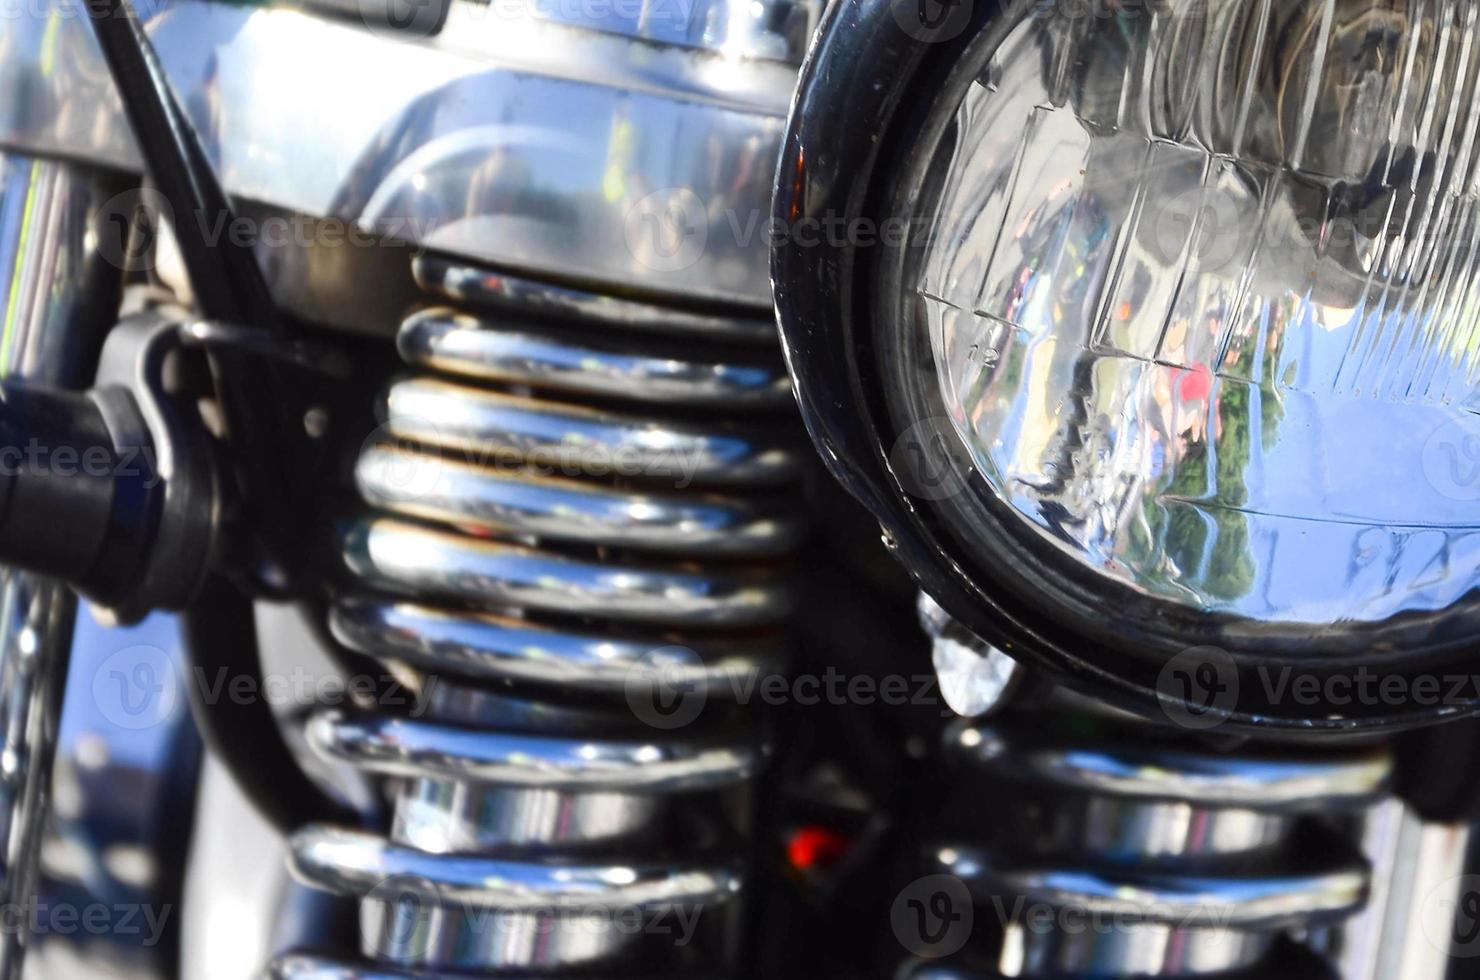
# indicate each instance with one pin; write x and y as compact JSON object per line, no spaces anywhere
{"x":1148,"y":326}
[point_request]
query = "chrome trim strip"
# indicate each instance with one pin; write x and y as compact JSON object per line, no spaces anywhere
{"x":525,"y":353}
{"x":351,"y":862}
{"x":480,"y":286}
{"x":410,"y":557}
{"x":488,"y":647}
{"x":1200,"y":859}
{"x":492,"y":427}
{"x":1264,"y":782}
{"x":497,"y":499}
{"x":409,"y":747}
{"x":1228,"y":901}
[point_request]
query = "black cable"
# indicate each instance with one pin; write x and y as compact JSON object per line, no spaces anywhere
{"x":221,"y":636}
{"x":228,"y":284}
{"x":223,"y":273}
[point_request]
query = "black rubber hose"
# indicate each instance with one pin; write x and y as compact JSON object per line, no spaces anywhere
{"x":221,"y":641}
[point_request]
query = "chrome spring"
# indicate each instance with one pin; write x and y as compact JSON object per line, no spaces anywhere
{"x":567,"y":500}
{"x":1119,"y":856}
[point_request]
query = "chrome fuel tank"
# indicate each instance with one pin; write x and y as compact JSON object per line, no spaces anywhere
{"x":631,"y":149}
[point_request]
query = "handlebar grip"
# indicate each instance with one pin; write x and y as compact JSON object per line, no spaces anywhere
{"x":79,"y":485}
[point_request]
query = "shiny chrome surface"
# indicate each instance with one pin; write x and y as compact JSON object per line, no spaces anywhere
{"x":1427,"y":912}
{"x":1150,"y":949}
{"x":443,"y":816}
{"x":643,"y":163}
{"x":1200,"y":300}
{"x":416,"y":559}
{"x":576,"y":440}
{"x":492,"y":499}
{"x":569,"y":548}
{"x":402,"y":747}
{"x":460,"y":344}
{"x":1360,"y":955}
{"x":773,"y":29}
{"x":647,"y":182}
{"x":354,"y":862}
{"x":466,"y":283}
{"x":1156,"y":860}
{"x":1267,"y":783}
{"x":467,"y":911}
{"x":58,"y":294}
{"x":975,"y":677}
{"x":1263,"y":901}
{"x":489,"y":647}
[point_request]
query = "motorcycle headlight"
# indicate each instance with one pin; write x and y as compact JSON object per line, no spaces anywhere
{"x":1145,"y":325}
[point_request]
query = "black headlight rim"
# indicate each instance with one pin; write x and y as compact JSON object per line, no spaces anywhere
{"x":866,"y":65}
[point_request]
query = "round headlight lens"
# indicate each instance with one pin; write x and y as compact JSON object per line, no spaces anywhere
{"x":1196,"y":286}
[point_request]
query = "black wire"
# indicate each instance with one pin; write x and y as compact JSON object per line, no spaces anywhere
{"x":221,"y":635}
{"x":228,"y":284}
{"x":224,"y":275}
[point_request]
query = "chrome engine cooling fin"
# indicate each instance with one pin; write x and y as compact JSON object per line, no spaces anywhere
{"x":1115,"y":855}
{"x":577,"y":544}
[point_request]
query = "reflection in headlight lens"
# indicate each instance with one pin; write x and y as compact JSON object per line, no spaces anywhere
{"x":1200,"y":296}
